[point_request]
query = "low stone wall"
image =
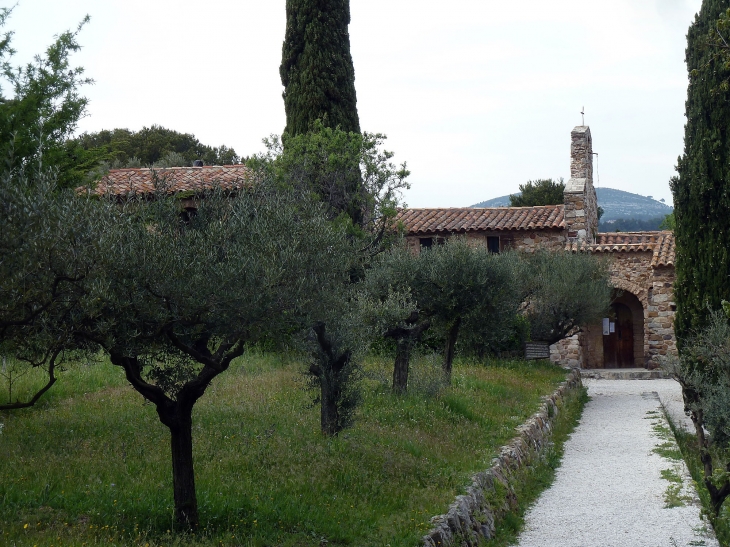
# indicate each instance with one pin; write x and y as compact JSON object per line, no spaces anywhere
{"x":568,"y":352}
{"x":473,"y":515}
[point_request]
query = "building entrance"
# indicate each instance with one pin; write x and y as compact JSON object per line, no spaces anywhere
{"x":618,"y":344}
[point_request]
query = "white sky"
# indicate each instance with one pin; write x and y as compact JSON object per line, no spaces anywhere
{"x":477,"y":96}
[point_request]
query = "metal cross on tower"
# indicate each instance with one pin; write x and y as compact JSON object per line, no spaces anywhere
{"x":582,"y":115}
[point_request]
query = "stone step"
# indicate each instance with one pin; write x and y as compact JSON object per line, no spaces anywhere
{"x":623,"y":374}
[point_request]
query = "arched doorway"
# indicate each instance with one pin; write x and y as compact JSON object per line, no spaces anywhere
{"x":623,"y":340}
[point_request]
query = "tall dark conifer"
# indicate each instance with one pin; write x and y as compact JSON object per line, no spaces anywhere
{"x":702,"y":189}
{"x":316,"y":66}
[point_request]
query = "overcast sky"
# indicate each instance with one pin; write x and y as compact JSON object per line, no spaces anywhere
{"x":477,"y":96}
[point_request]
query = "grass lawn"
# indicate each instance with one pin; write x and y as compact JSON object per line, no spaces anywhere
{"x":90,"y":464}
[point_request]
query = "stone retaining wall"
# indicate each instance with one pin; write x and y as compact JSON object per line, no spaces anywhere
{"x":568,"y":352}
{"x":472,"y":516}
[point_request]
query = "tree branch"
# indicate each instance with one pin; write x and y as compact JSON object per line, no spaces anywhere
{"x":40,"y":392}
{"x":133,"y":373}
{"x":200,"y":354}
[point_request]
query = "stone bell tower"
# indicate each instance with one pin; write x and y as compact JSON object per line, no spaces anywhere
{"x":581,"y":205}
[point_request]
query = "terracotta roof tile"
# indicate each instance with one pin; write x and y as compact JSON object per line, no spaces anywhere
{"x":120,"y":182}
{"x":471,"y":219}
{"x":660,"y":244}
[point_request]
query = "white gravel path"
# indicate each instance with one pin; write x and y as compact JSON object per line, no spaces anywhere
{"x":609,"y":490}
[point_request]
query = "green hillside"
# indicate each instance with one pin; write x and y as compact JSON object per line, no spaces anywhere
{"x":616,"y":204}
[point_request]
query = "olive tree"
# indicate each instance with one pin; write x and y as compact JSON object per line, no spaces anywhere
{"x":334,"y":370}
{"x":48,"y":240}
{"x":394,"y":277}
{"x":450,"y":287}
{"x":172,"y":301}
{"x":352,"y":317}
{"x":562,"y":292}
{"x":350,"y":172}
{"x":181,"y":300}
{"x":703,"y":370}
{"x":360,"y":189}
{"x":465,"y":284}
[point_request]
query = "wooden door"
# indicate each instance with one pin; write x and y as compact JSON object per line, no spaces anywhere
{"x":625,"y":335}
{"x":618,"y":346}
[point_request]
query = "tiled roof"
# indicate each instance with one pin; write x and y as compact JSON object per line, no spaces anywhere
{"x":120,"y":182}
{"x":660,"y":244}
{"x":471,"y":219}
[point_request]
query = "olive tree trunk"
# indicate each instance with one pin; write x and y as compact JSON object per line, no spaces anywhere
{"x":334,"y":371}
{"x":177,"y":415}
{"x":183,"y":474}
{"x":451,"y":338}
{"x":718,"y":494}
{"x":402,"y":364}
{"x":405,"y":338}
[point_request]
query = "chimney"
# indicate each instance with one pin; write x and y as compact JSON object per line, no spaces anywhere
{"x":581,"y":205}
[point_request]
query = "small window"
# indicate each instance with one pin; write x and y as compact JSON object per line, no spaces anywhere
{"x":493,"y":244}
{"x":188,"y":214}
{"x":426,"y":242}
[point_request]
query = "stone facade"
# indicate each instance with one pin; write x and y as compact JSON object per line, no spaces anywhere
{"x":660,"y":314}
{"x":527,"y":241}
{"x":581,"y":204}
{"x":538,"y":239}
{"x":568,"y":352}
{"x":641,"y":263}
{"x":644,"y":284}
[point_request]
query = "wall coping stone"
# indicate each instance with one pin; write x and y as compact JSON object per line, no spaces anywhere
{"x":575,"y":186}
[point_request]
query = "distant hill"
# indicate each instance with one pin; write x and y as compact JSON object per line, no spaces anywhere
{"x":616,"y":204}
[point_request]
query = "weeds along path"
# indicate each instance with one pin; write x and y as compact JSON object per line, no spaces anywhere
{"x":622,"y":480}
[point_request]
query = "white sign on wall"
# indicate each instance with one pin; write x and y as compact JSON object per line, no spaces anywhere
{"x":606,"y":326}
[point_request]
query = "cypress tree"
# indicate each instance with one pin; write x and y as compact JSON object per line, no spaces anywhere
{"x":702,"y":188}
{"x":316,"y":66}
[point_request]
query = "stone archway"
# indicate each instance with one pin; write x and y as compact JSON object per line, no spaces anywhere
{"x":624,"y":347}
{"x":641,"y":294}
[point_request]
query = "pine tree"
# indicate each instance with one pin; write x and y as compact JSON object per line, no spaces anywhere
{"x":316,"y":67}
{"x":702,"y":188}
{"x":539,"y":192}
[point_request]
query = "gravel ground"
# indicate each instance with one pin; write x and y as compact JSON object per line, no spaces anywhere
{"x":609,"y":490}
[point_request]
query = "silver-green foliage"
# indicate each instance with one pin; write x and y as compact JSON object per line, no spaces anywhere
{"x":703,"y":370}
{"x":243,"y":269}
{"x":350,"y":172}
{"x":563,"y":292}
{"x":705,"y":366}
{"x":48,"y":245}
{"x":172,"y":300}
{"x":454,"y":289}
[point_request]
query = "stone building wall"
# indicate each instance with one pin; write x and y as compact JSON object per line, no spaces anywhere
{"x":581,"y":204}
{"x":515,"y":239}
{"x":569,"y":352}
{"x":660,"y":314}
{"x":633,"y":273}
{"x":533,"y":240}
{"x":592,"y":345}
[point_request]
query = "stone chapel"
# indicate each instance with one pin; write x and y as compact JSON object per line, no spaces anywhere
{"x":639,"y":328}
